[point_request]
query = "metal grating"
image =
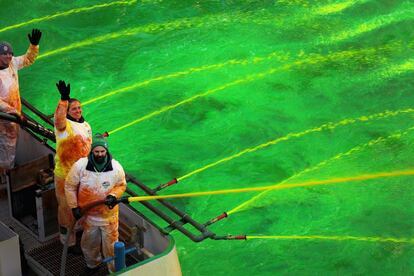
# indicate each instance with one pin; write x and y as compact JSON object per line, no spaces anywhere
{"x":49,"y":256}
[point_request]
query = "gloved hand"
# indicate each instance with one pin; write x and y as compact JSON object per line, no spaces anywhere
{"x":76,"y":212}
{"x":17,"y":115}
{"x":111,"y":201}
{"x":63,"y":90}
{"x":23,"y":119}
{"x":35,"y":37}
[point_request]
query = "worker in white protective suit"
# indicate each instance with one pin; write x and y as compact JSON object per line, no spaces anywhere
{"x":73,"y":141}
{"x":10,"y":95}
{"x":96,"y":177}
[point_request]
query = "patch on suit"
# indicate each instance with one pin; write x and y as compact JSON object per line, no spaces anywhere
{"x":105,"y":184}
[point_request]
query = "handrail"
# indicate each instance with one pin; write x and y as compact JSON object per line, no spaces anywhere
{"x":37,"y":112}
{"x":173,"y":224}
{"x":30,"y":124}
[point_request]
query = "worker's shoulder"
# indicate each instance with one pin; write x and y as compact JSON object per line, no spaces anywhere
{"x":116,"y":164}
{"x":82,"y":162}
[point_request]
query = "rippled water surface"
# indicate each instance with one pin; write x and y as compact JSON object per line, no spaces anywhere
{"x":237,"y":94}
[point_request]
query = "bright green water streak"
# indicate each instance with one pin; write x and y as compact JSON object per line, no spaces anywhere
{"x":403,"y":14}
{"x":248,"y":204}
{"x":67,"y":13}
{"x":187,"y":138}
{"x":337,"y":7}
{"x":275,"y":55}
{"x":406,"y":12}
{"x":335,"y":238}
{"x":151,"y":28}
{"x":310,"y":59}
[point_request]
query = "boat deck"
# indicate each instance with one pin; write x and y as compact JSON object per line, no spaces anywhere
{"x":49,"y":257}
{"x":47,"y":254}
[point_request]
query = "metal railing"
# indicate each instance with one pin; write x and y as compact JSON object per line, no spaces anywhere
{"x":200,"y":233}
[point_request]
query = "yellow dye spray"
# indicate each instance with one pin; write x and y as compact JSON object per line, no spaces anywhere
{"x":275,"y":55}
{"x":305,"y":17}
{"x":326,"y":126}
{"x":66,"y":13}
{"x":337,"y":7}
{"x":152,"y":28}
{"x":335,"y":238}
{"x":397,"y":69}
{"x":167,"y":108}
{"x":281,"y":186}
{"x":312,"y":59}
{"x":194,"y":22}
{"x":404,"y":13}
{"x":337,"y":157}
{"x":280,"y":56}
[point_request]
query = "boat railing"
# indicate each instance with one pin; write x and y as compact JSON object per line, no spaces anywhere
{"x":200,"y":232}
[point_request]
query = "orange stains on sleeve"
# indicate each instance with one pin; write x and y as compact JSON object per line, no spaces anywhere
{"x":71,"y":150}
{"x":5,"y":106}
{"x":14,"y":98}
{"x":11,"y":103}
{"x":87,"y":195}
{"x":60,"y":115}
{"x":31,"y":55}
{"x":119,"y":189}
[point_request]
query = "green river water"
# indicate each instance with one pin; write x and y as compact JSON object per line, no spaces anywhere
{"x":260,"y":92}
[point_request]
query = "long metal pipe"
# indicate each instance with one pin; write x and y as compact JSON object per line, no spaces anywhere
{"x":37,"y":112}
{"x":183,"y":215}
{"x":172,"y":222}
{"x":30,"y":124}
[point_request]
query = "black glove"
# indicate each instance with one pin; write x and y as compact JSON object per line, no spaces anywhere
{"x":111,"y":201}
{"x":76,"y":212}
{"x":17,"y":116}
{"x":35,"y":37}
{"x":63,"y":90}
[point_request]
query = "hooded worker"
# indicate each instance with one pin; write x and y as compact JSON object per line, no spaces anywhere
{"x":10,"y":94}
{"x":93,"y":178}
{"x":73,"y":141}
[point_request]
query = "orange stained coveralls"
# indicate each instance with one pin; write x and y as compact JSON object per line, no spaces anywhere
{"x":10,"y":103}
{"x":73,"y":141}
{"x":100,"y":226}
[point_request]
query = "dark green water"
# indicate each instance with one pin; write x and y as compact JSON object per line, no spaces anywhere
{"x":263,"y":70}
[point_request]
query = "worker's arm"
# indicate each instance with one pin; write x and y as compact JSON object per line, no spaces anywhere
{"x":120,"y":187}
{"x":31,"y":54}
{"x":62,"y":108}
{"x":71,"y":185}
{"x":6,"y":108}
